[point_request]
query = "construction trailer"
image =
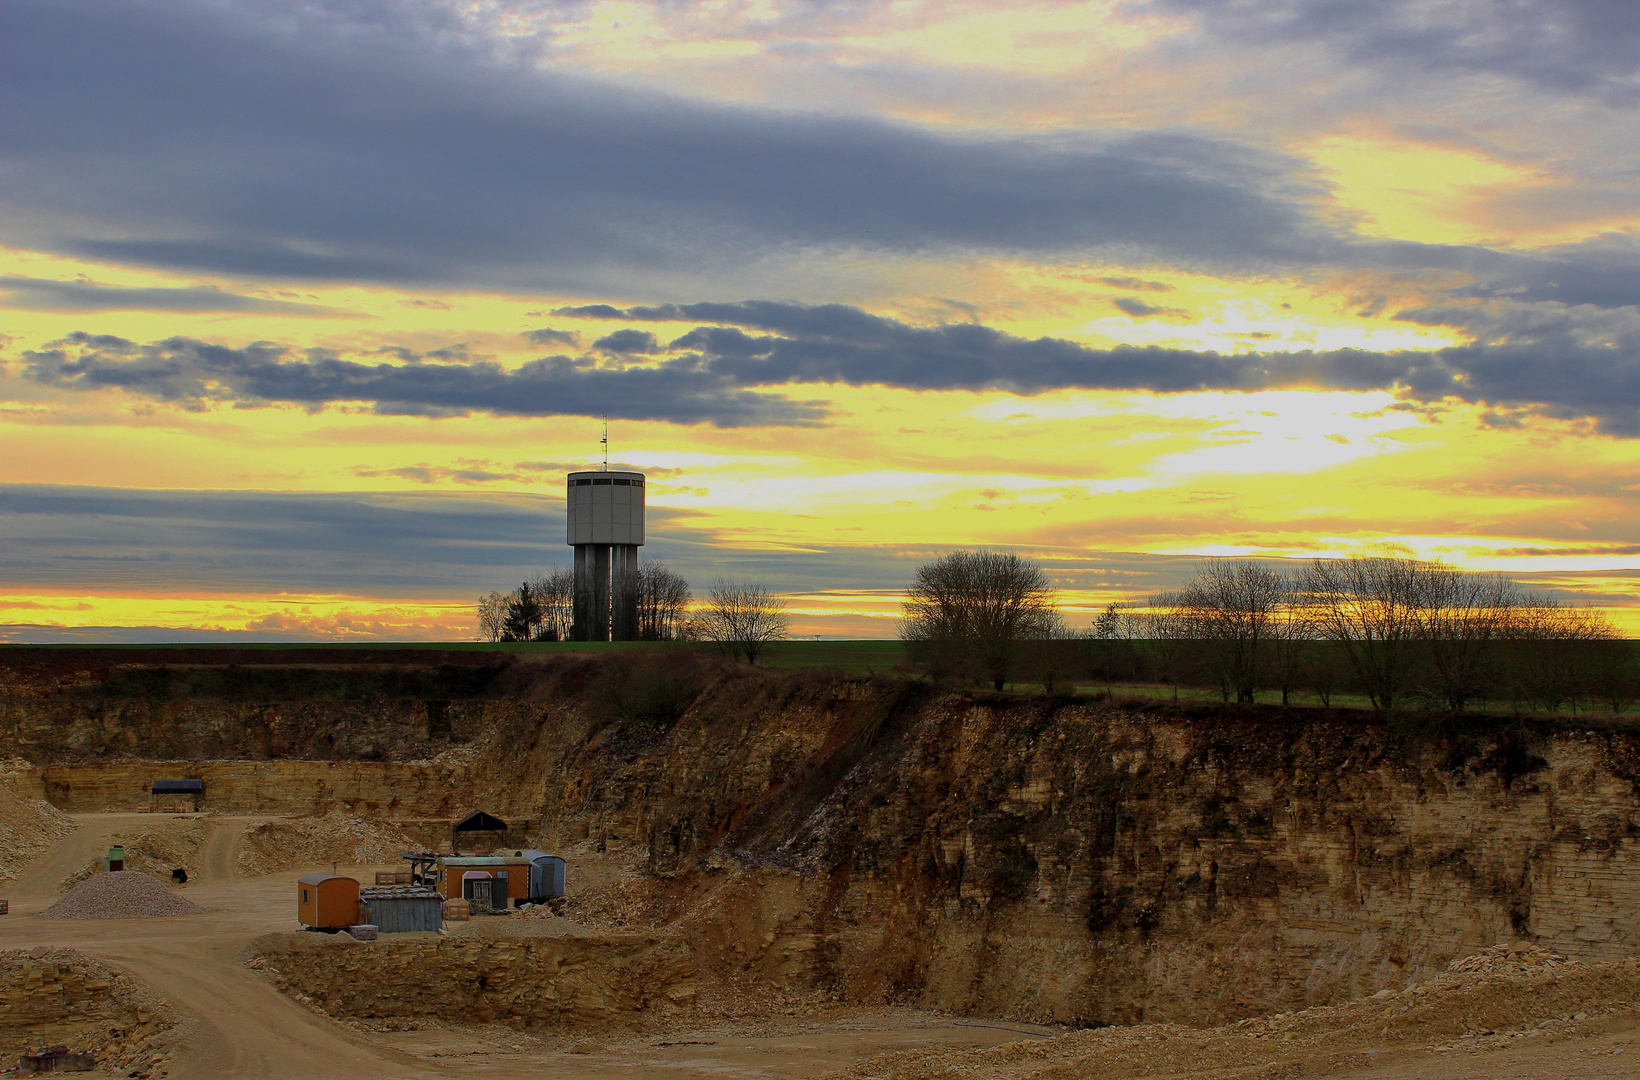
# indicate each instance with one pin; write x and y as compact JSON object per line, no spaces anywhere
{"x":401,"y":909}
{"x":327,"y":901}
{"x":522,"y":877}
{"x":175,"y":796}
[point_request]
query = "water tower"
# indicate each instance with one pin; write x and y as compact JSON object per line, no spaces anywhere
{"x":606,"y":530}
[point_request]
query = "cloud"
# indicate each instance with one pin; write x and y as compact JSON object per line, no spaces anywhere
{"x":626,"y":342}
{"x":194,"y":374}
{"x":1136,"y":307}
{"x":1568,"y":363}
{"x":546,"y":335}
{"x":1547,"y":359}
{"x":41,"y":294}
{"x":1584,"y":47}
{"x":1137,"y":284}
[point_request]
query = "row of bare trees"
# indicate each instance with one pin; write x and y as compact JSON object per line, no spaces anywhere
{"x":542,"y":608}
{"x":740,"y":617}
{"x":1391,"y":629}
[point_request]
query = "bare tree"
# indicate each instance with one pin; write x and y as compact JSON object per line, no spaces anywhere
{"x":1371,"y":607}
{"x":663,"y":603}
{"x":554,"y":594}
{"x":1463,"y":620}
{"x":1168,"y":629}
{"x":1231,"y":606}
{"x":1555,"y":651}
{"x":978,"y":609}
{"x":1290,"y":633}
{"x":492,"y":616}
{"x":742,"y":618}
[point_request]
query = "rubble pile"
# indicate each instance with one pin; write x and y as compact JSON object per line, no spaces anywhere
{"x":1516,"y":958}
{"x":336,"y":837}
{"x":59,"y":997}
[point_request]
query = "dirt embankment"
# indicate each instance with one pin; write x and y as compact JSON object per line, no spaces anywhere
{"x":535,"y":981}
{"x":27,"y":825}
{"x":1460,"y":1011}
{"x":60,"y":997}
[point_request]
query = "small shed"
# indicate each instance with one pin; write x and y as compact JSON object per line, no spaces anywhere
{"x":474,"y":826}
{"x":175,"y":796}
{"x":327,"y":901}
{"x":401,"y":909}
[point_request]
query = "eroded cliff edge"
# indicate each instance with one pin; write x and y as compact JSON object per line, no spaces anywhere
{"x":880,"y":841}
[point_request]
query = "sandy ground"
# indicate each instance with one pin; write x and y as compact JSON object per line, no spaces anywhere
{"x":236,"y":1025}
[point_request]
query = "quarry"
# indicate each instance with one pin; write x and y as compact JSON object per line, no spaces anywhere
{"x":797,"y":873}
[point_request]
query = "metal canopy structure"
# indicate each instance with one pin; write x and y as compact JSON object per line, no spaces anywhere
{"x":479,"y":821}
{"x":178,"y":787}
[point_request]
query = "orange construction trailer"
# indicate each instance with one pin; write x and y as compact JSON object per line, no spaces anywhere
{"x":327,"y":901}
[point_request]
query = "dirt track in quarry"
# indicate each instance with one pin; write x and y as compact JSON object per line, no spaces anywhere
{"x":234,"y":1023}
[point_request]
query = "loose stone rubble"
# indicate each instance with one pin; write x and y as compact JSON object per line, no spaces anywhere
{"x":123,"y":894}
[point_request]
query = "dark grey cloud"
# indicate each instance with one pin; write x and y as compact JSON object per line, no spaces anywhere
{"x":1575,"y":364}
{"x":1579,"y":363}
{"x":627,"y":342}
{"x":228,"y":138}
{"x":42,"y":294}
{"x":1139,"y":309}
{"x":546,"y":335}
{"x":1589,"y":47}
{"x":193,"y":373}
{"x":365,"y":142}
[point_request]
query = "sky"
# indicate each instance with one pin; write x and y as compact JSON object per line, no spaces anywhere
{"x":307,"y":307}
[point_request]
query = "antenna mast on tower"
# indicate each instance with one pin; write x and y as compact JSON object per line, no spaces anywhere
{"x":605,"y":441}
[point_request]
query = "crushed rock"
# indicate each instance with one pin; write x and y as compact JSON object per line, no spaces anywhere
{"x":336,"y":837}
{"x":122,"y":894}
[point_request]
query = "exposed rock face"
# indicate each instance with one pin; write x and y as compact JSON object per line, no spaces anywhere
{"x":1076,"y":863}
{"x":1041,"y":859}
{"x":58,"y":996}
{"x":528,"y":982}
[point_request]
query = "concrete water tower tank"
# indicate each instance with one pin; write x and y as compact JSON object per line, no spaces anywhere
{"x":605,"y":526}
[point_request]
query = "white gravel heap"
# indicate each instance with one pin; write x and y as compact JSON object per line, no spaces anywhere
{"x":122,"y":894}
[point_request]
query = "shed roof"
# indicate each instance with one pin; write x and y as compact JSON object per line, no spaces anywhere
{"x":321,"y":876}
{"x":479,"y":821}
{"x":178,"y":787}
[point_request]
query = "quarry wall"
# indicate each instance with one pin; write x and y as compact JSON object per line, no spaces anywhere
{"x":1045,"y":859}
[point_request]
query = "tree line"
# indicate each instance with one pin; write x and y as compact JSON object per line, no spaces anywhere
{"x":1397,"y":631}
{"x":739,"y":617}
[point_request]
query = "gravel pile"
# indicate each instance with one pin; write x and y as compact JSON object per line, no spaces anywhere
{"x":122,"y":894}
{"x":1510,"y":959}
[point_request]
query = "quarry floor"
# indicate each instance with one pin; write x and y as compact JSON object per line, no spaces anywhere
{"x":235,"y":1024}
